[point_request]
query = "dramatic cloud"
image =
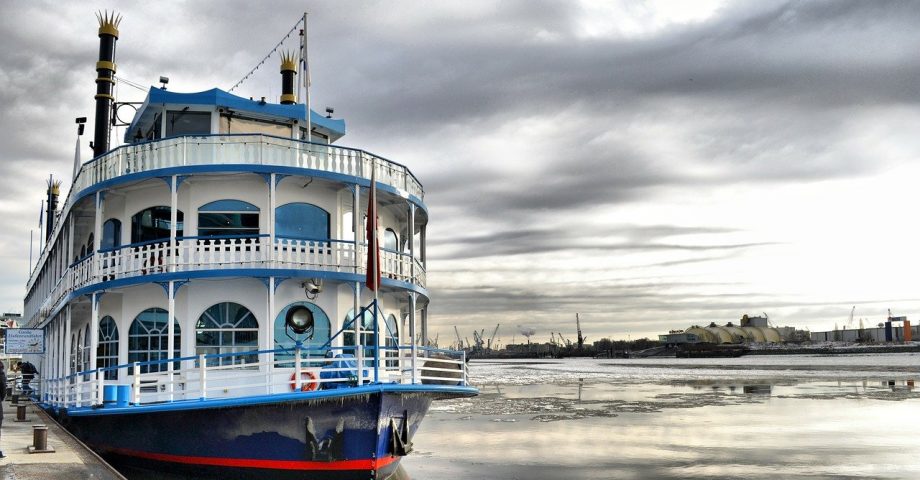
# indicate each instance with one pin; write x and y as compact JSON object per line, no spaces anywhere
{"x":649,"y":165}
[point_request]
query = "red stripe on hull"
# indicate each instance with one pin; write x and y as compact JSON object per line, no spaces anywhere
{"x":363,"y":464}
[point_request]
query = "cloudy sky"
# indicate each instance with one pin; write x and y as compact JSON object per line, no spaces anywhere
{"x":650,"y":165}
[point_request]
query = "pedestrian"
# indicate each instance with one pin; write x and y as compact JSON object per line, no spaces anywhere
{"x":28,"y":373}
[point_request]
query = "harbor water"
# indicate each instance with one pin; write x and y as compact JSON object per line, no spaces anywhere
{"x":753,"y":417}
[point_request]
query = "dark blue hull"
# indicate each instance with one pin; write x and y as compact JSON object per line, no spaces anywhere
{"x":356,"y":434}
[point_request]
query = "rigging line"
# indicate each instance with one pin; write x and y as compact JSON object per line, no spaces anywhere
{"x":286,"y":36}
{"x":130,"y":83}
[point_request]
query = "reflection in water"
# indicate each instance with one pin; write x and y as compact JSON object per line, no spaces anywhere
{"x":574,"y":421}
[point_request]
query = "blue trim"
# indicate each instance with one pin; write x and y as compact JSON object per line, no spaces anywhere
{"x":276,"y":398}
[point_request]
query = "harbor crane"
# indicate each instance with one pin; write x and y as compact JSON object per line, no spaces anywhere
{"x":459,"y":340}
{"x":581,"y":338}
{"x":494,"y":332}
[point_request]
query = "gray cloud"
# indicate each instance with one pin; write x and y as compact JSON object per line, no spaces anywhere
{"x":524,"y":131}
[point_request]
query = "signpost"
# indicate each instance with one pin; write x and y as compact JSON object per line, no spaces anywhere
{"x":21,"y":341}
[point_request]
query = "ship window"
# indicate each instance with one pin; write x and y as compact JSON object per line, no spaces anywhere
{"x":390,"y":240}
{"x":111,"y":235}
{"x":245,"y":125}
{"x":187,"y":123}
{"x":321,"y":329}
{"x":148,"y":340}
{"x":301,"y":221}
{"x":107,"y":351}
{"x":227,"y":328}
{"x":392,"y":342}
{"x":367,"y":330}
{"x":228,"y":217}
{"x":153,"y":224}
{"x":90,"y":244}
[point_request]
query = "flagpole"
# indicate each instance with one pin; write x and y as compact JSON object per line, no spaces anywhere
{"x":376,"y":274}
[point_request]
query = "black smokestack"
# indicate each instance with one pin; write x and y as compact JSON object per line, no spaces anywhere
{"x":105,"y":80}
{"x":288,"y":70}
{"x":53,"y":192}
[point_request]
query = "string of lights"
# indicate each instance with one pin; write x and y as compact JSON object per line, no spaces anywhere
{"x":272,"y":52}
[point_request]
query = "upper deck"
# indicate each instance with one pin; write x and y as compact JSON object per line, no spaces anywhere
{"x":183,"y":149}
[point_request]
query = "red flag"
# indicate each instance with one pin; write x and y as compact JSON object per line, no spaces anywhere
{"x":373,"y":246}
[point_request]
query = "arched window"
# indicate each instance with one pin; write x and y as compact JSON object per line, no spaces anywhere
{"x":153,"y":224}
{"x":392,"y":341}
{"x":228,"y":217}
{"x":227,"y":328}
{"x":90,"y":243}
{"x":302,"y":221}
{"x":390,"y":240}
{"x":111,"y":235}
{"x":321,"y":332}
{"x":367,"y":330}
{"x":107,"y":351}
{"x":148,"y":340}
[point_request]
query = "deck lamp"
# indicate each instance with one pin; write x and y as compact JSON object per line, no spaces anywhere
{"x":299,"y":319}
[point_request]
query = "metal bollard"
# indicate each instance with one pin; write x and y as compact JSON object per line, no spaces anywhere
{"x":21,"y":413}
{"x":15,"y":398}
{"x":40,"y":437}
{"x":40,"y":440}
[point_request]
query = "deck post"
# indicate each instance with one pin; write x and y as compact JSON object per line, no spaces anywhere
{"x":100,"y":382}
{"x":137,"y":384}
{"x":93,"y":330}
{"x":170,"y":331}
{"x":376,"y":343}
{"x":297,"y":368}
{"x":413,"y":347}
{"x":202,"y":380}
{"x":173,"y":218}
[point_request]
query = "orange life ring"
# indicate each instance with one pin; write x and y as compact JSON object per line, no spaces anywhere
{"x":305,"y":386}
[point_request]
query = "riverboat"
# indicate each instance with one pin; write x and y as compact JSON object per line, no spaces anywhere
{"x":214,"y":302}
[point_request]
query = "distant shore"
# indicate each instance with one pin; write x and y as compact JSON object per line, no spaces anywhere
{"x":834,"y":349}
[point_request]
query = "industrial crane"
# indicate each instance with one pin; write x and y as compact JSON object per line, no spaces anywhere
{"x":581,"y":339}
{"x":459,"y":340}
{"x":494,"y":332}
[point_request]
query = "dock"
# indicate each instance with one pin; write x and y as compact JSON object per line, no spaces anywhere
{"x":70,"y":459}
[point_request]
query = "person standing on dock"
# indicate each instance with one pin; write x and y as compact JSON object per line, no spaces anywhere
{"x":28,"y":373}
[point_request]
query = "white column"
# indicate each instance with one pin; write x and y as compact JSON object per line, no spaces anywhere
{"x":412,"y":332}
{"x":173,"y":218}
{"x":93,"y":330}
{"x":356,"y":224}
{"x":422,"y":245}
{"x":271,"y":219}
{"x":97,"y":237}
{"x":171,"y":327}
{"x":268,"y":332}
{"x":67,"y":343}
{"x":411,"y":233}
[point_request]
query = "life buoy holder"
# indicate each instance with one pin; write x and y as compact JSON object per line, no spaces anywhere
{"x":308,"y":382}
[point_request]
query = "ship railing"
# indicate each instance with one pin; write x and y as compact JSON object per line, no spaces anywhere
{"x":251,"y":373}
{"x":234,"y":149}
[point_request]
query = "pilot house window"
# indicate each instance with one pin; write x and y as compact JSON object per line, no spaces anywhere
{"x":187,"y":123}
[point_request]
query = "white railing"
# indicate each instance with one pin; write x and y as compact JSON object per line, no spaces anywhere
{"x":226,"y":253}
{"x":242,"y":374}
{"x":232,"y":150}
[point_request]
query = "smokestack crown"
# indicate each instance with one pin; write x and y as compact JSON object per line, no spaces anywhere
{"x":288,"y":62}
{"x":108,"y":23}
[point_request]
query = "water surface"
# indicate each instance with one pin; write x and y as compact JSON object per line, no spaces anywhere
{"x":801,"y":416}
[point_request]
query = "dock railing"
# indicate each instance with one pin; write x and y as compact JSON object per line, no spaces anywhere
{"x":236,"y":375}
